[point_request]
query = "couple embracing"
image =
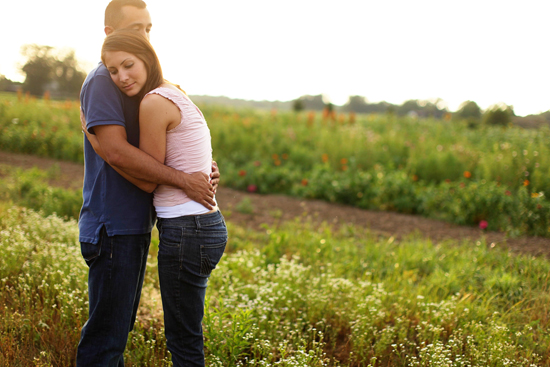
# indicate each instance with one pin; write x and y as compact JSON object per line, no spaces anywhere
{"x":147,"y":154}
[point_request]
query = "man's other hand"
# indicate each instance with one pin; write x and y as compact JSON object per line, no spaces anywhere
{"x":215,"y":176}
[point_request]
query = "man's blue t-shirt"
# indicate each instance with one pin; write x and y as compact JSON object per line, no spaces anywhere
{"x":110,"y":200}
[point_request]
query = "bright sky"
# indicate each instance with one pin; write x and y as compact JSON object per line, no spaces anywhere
{"x":489,"y":51}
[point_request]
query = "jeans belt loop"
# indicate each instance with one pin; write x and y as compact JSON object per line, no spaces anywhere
{"x":197,"y":222}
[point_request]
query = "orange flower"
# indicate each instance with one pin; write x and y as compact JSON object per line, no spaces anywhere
{"x":325,"y":157}
{"x":257,"y":163}
{"x":277,"y":162}
{"x":462,"y":185}
{"x":344,"y":168}
{"x":310,"y":118}
{"x":352,"y":118}
{"x":467,"y":174}
{"x":275,"y":157}
{"x":285,"y":156}
{"x":415,"y":178}
{"x":526,"y":183}
{"x":242,"y":173}
{"x":304,"y":182}
{"x":343,"y":161}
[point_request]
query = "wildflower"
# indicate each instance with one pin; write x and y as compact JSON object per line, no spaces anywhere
{"x":483,"y":224}
{"x":508,"y":193}
{"x":526,"y":183}
{"x":534,"y":195}
{"x":467,"y":174}
{"x":242,"y":173}
{"x":352,"y":118}
{"x":252,"y":188}
{"x":462,"y":185}
{"x":310,"y":118}
{"x":257,"y":163}
{"x":415,"y":178}
{"x":343,"y":161}
{"x":325,"y":157}
{"x":304,"y":182}
{"x":285,"y":156}
{"x":344,"y":168}
{"x":539,"y":206}
{"x":277,"y":162}
{"x":448,"y":181}
{"x":275,"y":157}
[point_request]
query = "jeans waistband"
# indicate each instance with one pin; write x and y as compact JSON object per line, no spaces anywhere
{"x":193,"y":221}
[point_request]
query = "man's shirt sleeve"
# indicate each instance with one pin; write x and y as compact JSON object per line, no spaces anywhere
{"x":102,"y":103}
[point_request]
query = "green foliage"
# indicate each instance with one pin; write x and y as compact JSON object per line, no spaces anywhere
{"x":377,"y":162}
{"x":294,"y":295}
{"x":469,"y":110}
{"x":30,"y":189}
{"x":48,"y":69}
{"x":498,"y":115}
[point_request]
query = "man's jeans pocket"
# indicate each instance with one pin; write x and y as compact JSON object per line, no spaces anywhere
{"x":90,"y":251}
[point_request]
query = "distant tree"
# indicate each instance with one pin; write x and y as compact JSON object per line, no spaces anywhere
{"x":468,"y":110}
{"x":38,"y":68}
{"x":315,"y":103}
{"x":298,"y":105}
{"x":8,"y":85}
{"x":500,"y":115}
{"x":46,"y":69}
{"x":357,"y":104}
{"x":68,"y":75}
{"x":421,"y":108}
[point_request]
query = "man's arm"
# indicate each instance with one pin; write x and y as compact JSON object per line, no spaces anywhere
{"x":121,"y":155}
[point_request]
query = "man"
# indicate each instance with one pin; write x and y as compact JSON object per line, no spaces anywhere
{"x":116,"y":217}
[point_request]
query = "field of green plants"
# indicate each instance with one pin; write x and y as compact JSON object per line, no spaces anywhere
{"x":490,"y":176}
{"x":299,"y":294}
{"x":295,"y":295}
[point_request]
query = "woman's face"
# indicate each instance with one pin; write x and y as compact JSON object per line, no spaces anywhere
{"x":127,"y":71}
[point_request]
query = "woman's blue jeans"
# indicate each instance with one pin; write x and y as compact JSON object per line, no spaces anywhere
{"x":116,"y":269}
{"x":190,"y":248}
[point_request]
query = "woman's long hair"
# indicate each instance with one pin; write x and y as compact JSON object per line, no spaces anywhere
{"x":133,"y":42}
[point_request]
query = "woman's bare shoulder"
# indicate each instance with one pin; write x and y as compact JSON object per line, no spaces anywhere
{"x":158,"y":107}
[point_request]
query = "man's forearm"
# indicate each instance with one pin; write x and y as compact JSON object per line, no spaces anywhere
{"x":140,"y":165}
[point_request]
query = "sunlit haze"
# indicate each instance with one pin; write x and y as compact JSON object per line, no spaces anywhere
{"x":485,"y":50}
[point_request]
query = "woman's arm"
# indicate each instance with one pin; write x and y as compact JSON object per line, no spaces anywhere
{"x":156,"y":115}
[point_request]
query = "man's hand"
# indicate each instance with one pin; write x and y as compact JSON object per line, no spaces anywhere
{"x":198,"y":188}
{"x":215,"y":177}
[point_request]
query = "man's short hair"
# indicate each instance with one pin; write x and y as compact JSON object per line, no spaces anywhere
{"x":113,"y":12}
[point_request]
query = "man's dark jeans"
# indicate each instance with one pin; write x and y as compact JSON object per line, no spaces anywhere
{"x":190,"y":248}
{"x":116,"y":270}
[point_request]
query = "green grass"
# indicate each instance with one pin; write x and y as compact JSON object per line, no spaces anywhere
{"x":296,"y":295}
{"x":435,"y":168}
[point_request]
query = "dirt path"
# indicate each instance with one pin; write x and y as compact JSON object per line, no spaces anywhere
{"x":273,"y":208}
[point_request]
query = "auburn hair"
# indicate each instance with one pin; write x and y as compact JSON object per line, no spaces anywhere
{"x":133,"y":42}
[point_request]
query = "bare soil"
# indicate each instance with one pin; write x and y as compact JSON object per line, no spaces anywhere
{"x":272,"y":209}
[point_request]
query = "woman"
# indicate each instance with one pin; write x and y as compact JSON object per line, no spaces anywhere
{"x":192,"y":237}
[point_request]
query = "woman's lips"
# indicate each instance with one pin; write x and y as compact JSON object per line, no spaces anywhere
{"x":129,"y":86}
